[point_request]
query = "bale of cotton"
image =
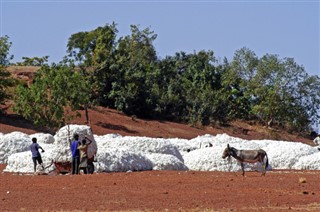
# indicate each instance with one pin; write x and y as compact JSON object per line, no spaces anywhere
{"x":118,"y":160}
{"x":63,"y":137}
{"x":206,"y":159}
{"x":12,"y":143}
{"x":220,"y":140}
{"x":165,"y":162}
{"x":141,"y":144}
{"x":202,"y":141}
{"x":308,"y":162}
{"x":284,"y":155}
{"x":183,"y":145}
{"x":106,"y":137}
{"x":44,"y":138}
{"x":22,"y":161}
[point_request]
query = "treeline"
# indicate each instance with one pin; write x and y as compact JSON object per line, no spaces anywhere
{"x":126,"y":74}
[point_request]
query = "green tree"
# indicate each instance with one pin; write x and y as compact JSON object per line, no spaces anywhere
{"x":167,"y":90}
{"x":94,"y":51}
{"x":135,"y":59}
{"x":273,"y":90}
{"x":55,"y":89}
{"x":189,"y":86}
{"x":270,"y":89}
{"x":236,"y":80}
{"x":33,"y":61}
{"x":5,"y":57}
{"x":93,"y":48}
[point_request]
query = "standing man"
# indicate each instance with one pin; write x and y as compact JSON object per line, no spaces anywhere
{"x":75,"y":154}
{"x":83,"y":148}
{"x":36,"y":156}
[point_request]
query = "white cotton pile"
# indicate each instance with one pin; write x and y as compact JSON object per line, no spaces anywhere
{"x":140,"y":145}
{"x":308,"y":162}
{"x":117,"y":153}
{"x":285,"y":155}
{"x":22,"y":161}
{"x":165,"y":162}
{"x":118,"y":160}
{"x":12,"y":143}
{"x":128,"y":153}
{"x":65,"y":135}
{"x":44,"y":138}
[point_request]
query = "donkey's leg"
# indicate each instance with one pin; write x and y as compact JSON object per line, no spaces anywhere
{"x":263,"y":169}
{"x":263,"y":166}
{"x":242,"y":166}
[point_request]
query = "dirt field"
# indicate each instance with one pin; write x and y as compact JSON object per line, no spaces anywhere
{"x":162,"y":191}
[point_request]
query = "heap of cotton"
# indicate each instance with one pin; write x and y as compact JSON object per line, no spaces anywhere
{"x":125,"y":153}
{"x":203,"y":141}
{"x":44,"y":138}
{"x":293,"y":155}
{"x":117,"y":160}
{"x":12,"y":143}
{"x":183,"y":145}
{"x":141,"y":145}
{"x":285,"y":155}
{"x":309,"y":162}
{"x":22,"y":161}
{"x":65,"y":135}
{"x":220,"y":140}
{"x":165,"y":162}
{"x":206,"y":159}
{"x":106,"y":137}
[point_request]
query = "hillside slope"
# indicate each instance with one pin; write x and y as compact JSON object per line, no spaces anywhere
{"x":104,"y":121}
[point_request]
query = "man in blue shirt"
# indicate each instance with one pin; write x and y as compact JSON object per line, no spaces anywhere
{"x":75,"y":154}
{"x":36,"y":156}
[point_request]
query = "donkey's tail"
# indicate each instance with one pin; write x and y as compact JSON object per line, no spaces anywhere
{"x":267,"y":161}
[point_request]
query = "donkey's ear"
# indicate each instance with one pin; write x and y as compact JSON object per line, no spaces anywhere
{"x":228,"y":146}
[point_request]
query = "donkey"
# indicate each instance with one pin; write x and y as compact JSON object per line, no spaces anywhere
{"x":249,"y":156}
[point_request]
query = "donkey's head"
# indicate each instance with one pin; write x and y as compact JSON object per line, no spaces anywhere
{"x":226,"y":152}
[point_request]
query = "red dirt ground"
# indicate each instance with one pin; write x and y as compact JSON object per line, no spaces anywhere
{"x":162,"y":191}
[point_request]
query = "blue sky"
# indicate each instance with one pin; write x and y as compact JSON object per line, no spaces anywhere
{"x":286,"y":28}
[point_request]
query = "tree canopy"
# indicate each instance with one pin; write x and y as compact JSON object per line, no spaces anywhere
{"x":55,"y":90}
{"x":126,"y":74}
{"x":5,"y":57}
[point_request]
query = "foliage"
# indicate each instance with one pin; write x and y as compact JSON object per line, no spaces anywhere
{"x":55,"y":89}
{"x":193,"y":87}
{"x":91,"y":49}
{"x":275,"y":90}
{"x":94,"y":50}
{"x":190,"y":87}
{"x":5,"y":57}
{"x":5,"y":45}
{"x":126,"y":74}
{"x":33,"y":61}
{"x":135,"y":59}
